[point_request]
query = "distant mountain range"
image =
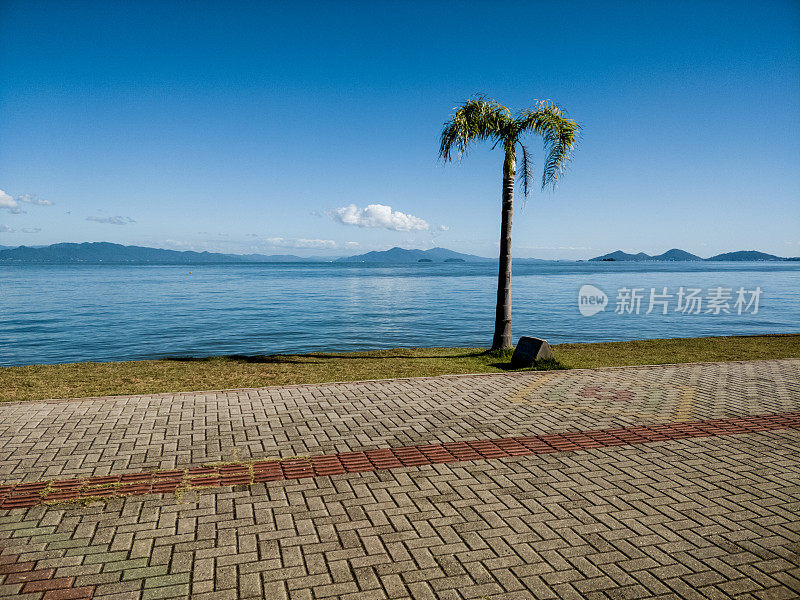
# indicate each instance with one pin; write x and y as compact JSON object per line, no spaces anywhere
{"x":401,"y":255}
{"x":673,"y":254}
{"x":105,"y":252}
{"x":398,"y":255}
{"x":749,"y":255}
{"x":681,"y":255}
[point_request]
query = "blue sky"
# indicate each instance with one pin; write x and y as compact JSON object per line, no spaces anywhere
{"x":260,"y":127}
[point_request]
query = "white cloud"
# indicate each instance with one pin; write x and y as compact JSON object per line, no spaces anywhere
{"x":111,"y":220}
{"x":7,"y":229}
{"x":351,"y":244}
{"x":280,"y":242}
{"x":378,"y":215}
{"x":8,"y":203}
{"x":444,"y":228}
{"x":12,"y":204}
{"x":31,"y":199}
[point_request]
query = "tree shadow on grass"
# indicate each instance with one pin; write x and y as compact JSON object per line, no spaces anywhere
{"x":502,"y":357}
{"x":240,"y":358}
{"x":317,"y":358}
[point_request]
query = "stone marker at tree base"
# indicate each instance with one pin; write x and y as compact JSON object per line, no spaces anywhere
{"x":529,"y":350}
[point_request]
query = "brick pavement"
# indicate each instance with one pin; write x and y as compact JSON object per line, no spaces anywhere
{"x":704,"y":517}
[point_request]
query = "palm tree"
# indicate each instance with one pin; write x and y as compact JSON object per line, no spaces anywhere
{"x":481,"y":119}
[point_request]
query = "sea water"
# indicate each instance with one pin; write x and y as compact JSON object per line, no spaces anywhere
{"x":71,"y":313}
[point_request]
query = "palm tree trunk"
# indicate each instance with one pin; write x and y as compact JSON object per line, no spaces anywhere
{"x":502,"y":321}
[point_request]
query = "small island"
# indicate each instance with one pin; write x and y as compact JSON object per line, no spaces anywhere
{"x":676,"y":255}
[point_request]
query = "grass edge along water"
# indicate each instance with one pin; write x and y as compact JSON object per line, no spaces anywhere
{"x":184,"y":374}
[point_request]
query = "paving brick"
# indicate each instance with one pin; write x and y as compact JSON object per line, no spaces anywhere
{"x":24,"y":576}
{"x":166,"y":580}
{"x":80,"y":593}
{"x":15,"y":567}
{"x":10,"y":590}
{"x":48,"y":584}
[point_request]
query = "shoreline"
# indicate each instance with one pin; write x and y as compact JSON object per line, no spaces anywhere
{"x":188,"y":374}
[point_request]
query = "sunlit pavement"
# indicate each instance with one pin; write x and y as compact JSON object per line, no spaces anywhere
{"x":677,"y":481}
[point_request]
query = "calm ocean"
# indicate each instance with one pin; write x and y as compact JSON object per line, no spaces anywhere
{"x":71,"y":313}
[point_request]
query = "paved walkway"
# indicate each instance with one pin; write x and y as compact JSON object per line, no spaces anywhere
{"x":687,"y":485}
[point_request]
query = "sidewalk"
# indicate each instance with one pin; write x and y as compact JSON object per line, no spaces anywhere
{"x":686,"y":486}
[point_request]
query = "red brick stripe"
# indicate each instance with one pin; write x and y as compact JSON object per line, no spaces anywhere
{"x":30,"y":494}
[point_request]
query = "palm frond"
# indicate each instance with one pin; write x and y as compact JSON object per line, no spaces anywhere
{"x":479,"y":118}
{"x":527,"y":171}
{"x":558,"y":132}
